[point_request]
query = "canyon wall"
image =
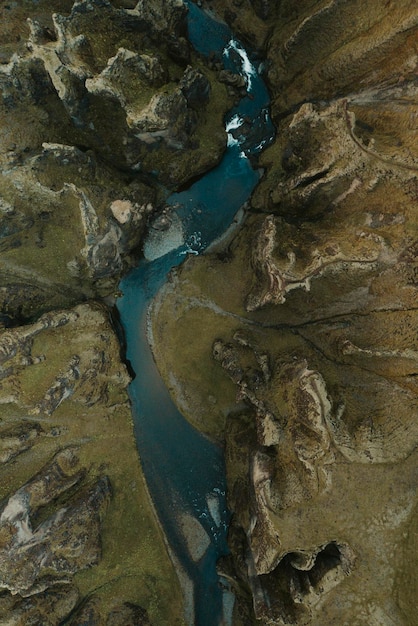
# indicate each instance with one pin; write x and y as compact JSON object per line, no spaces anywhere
{"x":300,"y":331}
{"x":104,"y":110}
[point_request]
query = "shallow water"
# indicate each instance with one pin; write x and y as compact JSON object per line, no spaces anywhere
{"x":184,"y":471}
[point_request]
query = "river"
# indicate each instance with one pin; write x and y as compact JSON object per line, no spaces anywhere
{"x":184,"y":470}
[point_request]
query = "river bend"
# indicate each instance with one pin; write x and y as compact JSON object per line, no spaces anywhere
{"x":183,"y":469}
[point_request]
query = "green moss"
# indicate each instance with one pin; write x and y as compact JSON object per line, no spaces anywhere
{"x":185,"y":325}
{"x":210,"y":128}
{"x":50,"y":259}
{"x":135,"y":564}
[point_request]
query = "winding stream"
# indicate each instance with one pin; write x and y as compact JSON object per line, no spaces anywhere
{"x":184,"y":470}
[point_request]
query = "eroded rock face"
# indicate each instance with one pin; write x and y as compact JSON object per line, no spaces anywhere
{"x":68,"y":541}
{"x":102,"y":107}
{"x":310,"y":314}
{"x":49,"y":607}
{"x":68,"y":188}
{"x":317,"y":50}
{"x":107,"y":66}
{"x":285,"y":466}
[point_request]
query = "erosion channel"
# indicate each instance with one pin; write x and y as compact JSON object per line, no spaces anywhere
{"x":183,"y":469}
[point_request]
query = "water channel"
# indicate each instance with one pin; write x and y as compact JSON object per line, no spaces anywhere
{"x":184,"y":470}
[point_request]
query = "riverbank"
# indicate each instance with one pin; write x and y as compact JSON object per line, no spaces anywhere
{"x":184,"y":469}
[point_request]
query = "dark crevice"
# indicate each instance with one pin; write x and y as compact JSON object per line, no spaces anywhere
{"x":305,"y":182}
{"x":194,"y":179}
{"x":116,"y":323}
{"x":292,"y":580}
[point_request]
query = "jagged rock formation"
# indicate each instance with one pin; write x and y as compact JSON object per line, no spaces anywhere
{"x":49,"y":607}
{"x":68,"y":541}
{"x":121,"y":89}
{"x":121,"y":615}
{"x":301,"y":330}
{"x":102,"y":107}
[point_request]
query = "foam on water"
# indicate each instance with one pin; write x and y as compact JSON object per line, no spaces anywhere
{"x":235,"y":122}
{"x":247,"y":68}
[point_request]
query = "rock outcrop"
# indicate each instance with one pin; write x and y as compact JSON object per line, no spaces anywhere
{"x":104,"y":109}
{"x":49,"y":607}
{"x":68,"y":541}
{"x":122,"y":615}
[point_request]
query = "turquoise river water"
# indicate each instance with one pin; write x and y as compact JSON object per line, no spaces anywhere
{"x":184,"y":470}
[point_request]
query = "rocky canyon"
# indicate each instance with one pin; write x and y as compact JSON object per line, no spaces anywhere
{"x":291,"y":343}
